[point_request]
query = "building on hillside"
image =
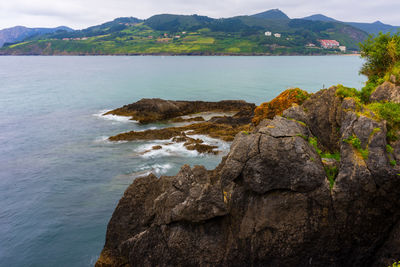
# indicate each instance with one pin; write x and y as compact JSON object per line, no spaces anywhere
{"x":328,"y":44}
{"x":277,"y":35}
{"x":342,"y":48}
{"x":268,"y":33}
{"x":310,"y":45}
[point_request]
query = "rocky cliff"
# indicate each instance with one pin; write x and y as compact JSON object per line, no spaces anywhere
{"x":316,"y":186}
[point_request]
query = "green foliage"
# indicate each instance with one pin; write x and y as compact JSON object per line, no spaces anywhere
{"x":390,"y":112}
{"x":335,"y":156}
{"x":331,"y":173}
{"x":246,"y":132}
{"x":395,"y":264}
{"x":389,"y":149}
{"x":314,"y":142}
{"x":393,"y":163}
{"x":356,"y":143}
{"x":381,"y":53}
{"x":370,"y":86}
{"x":344,"y":92}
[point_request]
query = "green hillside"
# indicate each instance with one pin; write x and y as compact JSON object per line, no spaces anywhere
{"x":179,"y":34}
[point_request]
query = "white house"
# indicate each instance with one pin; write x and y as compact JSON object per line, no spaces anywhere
{"x":342,"y":48}
{"x":268,"y":33}
{"x":277,"y":35}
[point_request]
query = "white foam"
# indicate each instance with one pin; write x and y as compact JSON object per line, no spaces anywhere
{"x":171,"y":149}
{"x":167,"y":150}
{"x":222,"y":145}
{"x":208,"y":115}
{"x":156,"y":169}
{"x":115,"y":118}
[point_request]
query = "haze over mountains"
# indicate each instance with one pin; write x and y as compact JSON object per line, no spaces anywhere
{"x":19,"y":33}
{"x":371,"y":28}
{"x":241,"y":34}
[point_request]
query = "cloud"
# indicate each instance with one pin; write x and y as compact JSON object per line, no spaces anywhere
{"x":84,"y":13}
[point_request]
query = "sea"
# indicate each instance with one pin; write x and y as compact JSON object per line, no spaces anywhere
{"x":60,"y":177}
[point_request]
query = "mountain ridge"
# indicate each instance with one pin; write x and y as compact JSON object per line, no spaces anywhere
{"x":19,"y":33}
{"x":370,"y":28}
{"x":195,"y":35}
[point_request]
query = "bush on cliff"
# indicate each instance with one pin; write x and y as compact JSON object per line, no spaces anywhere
{"x":282,"y":102}
{"x":382,"y":55}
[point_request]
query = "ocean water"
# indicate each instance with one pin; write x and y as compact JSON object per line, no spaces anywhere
{"x":60,"y":179}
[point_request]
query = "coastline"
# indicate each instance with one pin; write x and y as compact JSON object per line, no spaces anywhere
{"x":184,"y":54}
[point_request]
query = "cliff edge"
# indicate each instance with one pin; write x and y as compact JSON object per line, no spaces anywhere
{"x":316,"y":186}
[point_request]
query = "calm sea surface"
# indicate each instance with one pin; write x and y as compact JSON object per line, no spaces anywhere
{"x":60,"y":179}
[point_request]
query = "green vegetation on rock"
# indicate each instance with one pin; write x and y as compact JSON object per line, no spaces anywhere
{"x":390,"y":112}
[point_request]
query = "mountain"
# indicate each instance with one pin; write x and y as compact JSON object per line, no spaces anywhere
{"x":320,"y":17}
{"x":374,"y":28}
{"x":271,"y":14}
{"x":370,"y":28}
{"x":19,"y":33}
{"x":193,"y":34}
{"x":168,"y":22}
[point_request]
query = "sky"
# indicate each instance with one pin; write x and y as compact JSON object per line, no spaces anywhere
{"x":79,"y":14}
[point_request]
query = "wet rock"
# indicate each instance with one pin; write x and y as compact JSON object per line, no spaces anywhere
{"x":221,"y":131}
{"x":155,"y":109}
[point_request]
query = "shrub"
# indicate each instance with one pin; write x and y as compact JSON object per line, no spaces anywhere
{"x":314,"y":142}
{"x":344,"y":92}
{"x":356,"y":143}
{"x":381,"y":53}
{"x":335,"y":156}
{"x":331,"y":173}
{"x":390,"y":112}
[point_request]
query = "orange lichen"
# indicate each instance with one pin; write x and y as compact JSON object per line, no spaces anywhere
{"x":282,"y":102}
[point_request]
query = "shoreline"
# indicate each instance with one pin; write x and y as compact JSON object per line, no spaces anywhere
{"x":179,"y":55}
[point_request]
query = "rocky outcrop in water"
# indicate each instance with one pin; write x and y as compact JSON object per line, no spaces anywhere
{"x":155,"y":109}
{"x":313,"y":187}
{"x":220,"y":127}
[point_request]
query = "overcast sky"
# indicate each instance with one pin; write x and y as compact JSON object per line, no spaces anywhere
{"x":80,"y":14}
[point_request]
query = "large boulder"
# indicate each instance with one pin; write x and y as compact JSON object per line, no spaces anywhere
{"x":387,"y":91}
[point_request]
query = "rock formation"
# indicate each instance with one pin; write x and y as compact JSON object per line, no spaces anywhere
{"x":387,"y":91}
{"x":155,"y":109}
{"x":277,"y":199}
{"x":221,"y":127}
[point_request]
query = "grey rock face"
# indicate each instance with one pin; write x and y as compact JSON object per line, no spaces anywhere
{"x":388,"y":91}
{"x":269,"y":202}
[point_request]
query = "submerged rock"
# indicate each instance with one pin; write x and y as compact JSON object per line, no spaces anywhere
{"x":273,"y":200}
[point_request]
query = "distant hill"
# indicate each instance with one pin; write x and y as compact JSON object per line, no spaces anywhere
{"x":271,"y":14}
{"x":374,"y":28}
{"x":320,"y":17}
{"x":193,"y":34}
{"x":19,"y":33}
{"x":370,"y":28}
